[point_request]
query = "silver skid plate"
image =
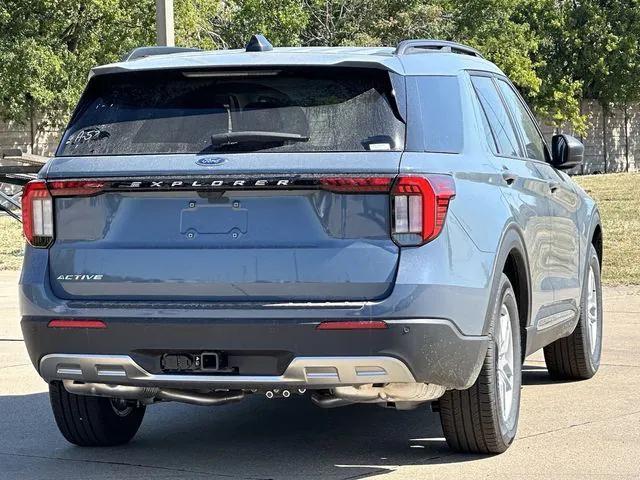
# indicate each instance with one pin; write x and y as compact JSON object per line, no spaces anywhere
{"x":308,"y":372}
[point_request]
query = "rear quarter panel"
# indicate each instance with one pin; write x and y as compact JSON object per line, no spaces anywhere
{"x":588,"y":217}
{"x":461,"y":262}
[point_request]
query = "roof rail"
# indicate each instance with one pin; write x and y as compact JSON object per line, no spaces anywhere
{"x":407,"y":47}
{"x":142,"y":52}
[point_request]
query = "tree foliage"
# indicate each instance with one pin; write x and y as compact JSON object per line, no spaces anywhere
{"x":228,"y":24}
{"x":588,"y":49}
{"x":47,"y":48}
{"x":372,"y":22}
{"x":556,"y":51}
{"x":212,"y":24}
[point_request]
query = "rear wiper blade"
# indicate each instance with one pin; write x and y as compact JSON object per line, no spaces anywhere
{"x":256,"y":136}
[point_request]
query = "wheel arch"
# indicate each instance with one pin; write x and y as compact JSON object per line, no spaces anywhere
{"x":596,"y":236}
{"x":593,"y":236}
{"x":512,"y":260}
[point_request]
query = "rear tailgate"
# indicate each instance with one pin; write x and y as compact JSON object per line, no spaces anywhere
{"x":224,"y":236}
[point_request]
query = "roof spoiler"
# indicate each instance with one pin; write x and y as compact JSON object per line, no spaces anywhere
{"x":142,"y":52}
{"x":257,"y":43}
{"x":407,"y":47}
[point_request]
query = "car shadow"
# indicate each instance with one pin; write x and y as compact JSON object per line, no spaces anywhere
{"x":256,"y":438}
{"x":536,"y":375}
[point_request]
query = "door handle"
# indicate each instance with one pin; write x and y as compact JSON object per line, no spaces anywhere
{"x":509,"y":177}
{"x":553,"y":186}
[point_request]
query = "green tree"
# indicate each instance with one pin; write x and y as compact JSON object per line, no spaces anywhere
{"x":494,"y":28}
{"x":600,"y":40}
{"x":372,"y":22}
{"x":589,"y":49}
{"x":228,"y":24}
{"x":47,"y":48}
{"x":213,"y":24}
{"x":555,"y":51}
{"x":558,"y":98}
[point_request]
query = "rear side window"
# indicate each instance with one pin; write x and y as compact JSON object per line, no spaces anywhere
{"x":533,"y":143}
{"x":497,"y":116}
{"x":208,"y":111}
{"x":491,"y":141}
{"x":441,"y":113}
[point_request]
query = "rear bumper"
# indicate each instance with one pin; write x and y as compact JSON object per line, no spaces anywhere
{"x":267,"y":352}
{"x":435,"y":315}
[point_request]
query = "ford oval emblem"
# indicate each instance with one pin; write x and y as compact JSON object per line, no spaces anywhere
{"x":210,"y":161}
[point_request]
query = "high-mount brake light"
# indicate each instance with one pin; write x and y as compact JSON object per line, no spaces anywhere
{"x":37,"y":214}
{"x":419,"y":207}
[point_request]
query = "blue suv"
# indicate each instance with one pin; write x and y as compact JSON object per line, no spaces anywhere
{"x":357,"y":225}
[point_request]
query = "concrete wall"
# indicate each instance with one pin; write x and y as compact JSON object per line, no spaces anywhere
{"x":602,"y":141}
{"x":608,"y":148}
{"x":41,"y":140}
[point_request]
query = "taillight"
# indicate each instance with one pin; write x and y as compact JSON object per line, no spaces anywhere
{"x":419,"y":207}
{"x":37,"y":214}
{"x":356,"y":184}
{"x":75,"y":188}
{"x":37,"y":205}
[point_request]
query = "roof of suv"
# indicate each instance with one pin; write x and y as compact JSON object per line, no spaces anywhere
{"x":432,"y":62}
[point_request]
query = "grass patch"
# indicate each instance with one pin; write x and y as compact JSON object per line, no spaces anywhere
{"x":11,"y":244}
{"x":618,"y":197}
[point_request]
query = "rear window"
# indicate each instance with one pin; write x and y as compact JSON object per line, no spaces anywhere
{"x":312,"y":110}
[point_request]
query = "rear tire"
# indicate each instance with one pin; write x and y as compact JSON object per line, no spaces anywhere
{"x":484,"y":417}
{"x":94,"y":421}
{"x":577,"y":357}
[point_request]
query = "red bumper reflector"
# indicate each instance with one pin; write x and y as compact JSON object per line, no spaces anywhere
{"x":61,"y":323}
{"x":353,"y":325}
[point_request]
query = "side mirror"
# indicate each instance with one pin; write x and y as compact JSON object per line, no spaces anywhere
{"x":566,"y":151}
